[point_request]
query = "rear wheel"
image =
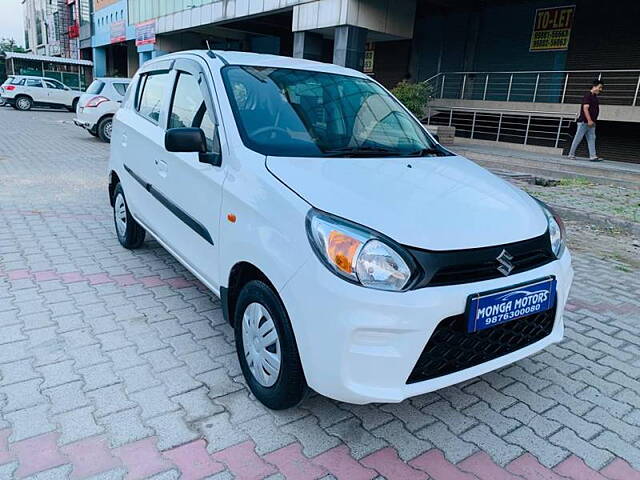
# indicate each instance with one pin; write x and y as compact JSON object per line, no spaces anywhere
{"x":267,"y":348}
{"x":74,"y":105}
{"x":104,"y":129}
{"x":130,"y":233}
{"x":24,"y":103}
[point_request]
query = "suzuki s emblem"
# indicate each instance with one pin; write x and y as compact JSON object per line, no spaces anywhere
{"x":504,"y":259}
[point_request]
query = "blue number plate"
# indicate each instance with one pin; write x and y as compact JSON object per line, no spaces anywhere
{"x":489,"y":309}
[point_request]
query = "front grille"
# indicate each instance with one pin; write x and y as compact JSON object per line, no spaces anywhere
{"x":451,"y":348}
{"x":477,"y":264}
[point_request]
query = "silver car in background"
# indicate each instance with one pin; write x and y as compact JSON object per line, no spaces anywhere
{"x":98,"y":104}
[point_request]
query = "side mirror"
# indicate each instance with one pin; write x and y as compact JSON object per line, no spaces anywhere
{"x":190,"y":140}
{"x":67,"y":88}
{"x":437,"y":137}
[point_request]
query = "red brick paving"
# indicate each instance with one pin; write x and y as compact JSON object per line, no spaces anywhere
{"x":339,"y":462}
{"x":90,"y":456}
{"x":193,"y":460}
{"x":481,"y":465}
{"x":439,"y":468}
{"x":527,"y":466}
{"x":37,"y":454}
{"x":293,"y":464}
{"x":390,"y":465}
{"x":142,"y":458}
{"x":243,"y":462}
{"x":575,"y":469}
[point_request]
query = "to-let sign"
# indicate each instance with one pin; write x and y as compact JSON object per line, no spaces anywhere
{"x":552,"y":28}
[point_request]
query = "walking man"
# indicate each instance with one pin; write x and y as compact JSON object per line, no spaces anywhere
{"x":589,"y":110}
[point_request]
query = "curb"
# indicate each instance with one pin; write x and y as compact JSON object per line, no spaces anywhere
{"x":553,"y":170}
{"x":597,"y":219}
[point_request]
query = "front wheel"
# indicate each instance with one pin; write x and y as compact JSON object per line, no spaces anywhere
{"x":104,"y":129}
{"x":267,"y":348}
{"x":130,"y":233}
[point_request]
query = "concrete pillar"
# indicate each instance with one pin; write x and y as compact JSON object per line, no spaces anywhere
{"x":307,"y":45}
{"x":143,"y":57}
{"x":99,"y":62}
{"x":348,"y":46}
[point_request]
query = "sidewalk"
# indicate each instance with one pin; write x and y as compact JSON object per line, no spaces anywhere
{"x":549,"y":165}
{"x":604,"y":194}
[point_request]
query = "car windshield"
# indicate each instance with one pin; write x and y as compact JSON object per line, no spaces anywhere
{"x":287,"y":112}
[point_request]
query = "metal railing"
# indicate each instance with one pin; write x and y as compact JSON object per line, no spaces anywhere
{"x":622,"y":87}
{"x":532,"y":127}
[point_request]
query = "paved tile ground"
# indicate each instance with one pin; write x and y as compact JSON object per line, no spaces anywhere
{"x":117,"y":364}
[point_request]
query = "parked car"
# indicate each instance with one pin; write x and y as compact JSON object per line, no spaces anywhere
{"x":98,"y":104}
{"x":352,"y":253}
{"x":23,"y":93}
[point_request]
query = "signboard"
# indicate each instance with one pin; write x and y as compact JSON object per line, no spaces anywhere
{"x":368,"y":61}
{"x":146,"y":33}
{"x":552,"y":29}
{"x":118,"y":32}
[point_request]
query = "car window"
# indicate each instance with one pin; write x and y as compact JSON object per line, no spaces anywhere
{"x":120,"y":88}
{"x":96,"y":87}
{"x":152,"y":94}
{"x":54,"y":84}
{"x":33,"y":82}
{"x":17,"y":81}
{"x":188,"y":109}
{"x":287,"y":112}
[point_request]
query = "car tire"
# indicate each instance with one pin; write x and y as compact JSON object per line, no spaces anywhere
{"x":104,"y":129}
{"x":259,"y":307}
{"x":74,"y":105}
{"x":23,"y":103}
{"x":130,"y":233}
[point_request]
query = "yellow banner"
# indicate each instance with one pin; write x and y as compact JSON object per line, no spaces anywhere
{"x":552,"y":29}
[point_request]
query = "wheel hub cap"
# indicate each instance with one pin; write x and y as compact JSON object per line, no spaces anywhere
{"x":120,"y":215}
{"x":261,"y":344}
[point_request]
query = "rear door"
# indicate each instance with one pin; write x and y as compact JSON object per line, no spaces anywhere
{"x":193,"y":188}
{"x":35,"y":89}
{"x":139,"y":142}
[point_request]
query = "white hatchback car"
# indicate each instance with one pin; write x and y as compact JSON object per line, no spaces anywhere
{"x":98,"y":105}
{"x":24,"y":92}
{"x":352,"y":253}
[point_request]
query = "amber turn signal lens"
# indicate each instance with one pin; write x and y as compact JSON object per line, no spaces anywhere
{"x":341,"y":249}
{"x":231,"y":217}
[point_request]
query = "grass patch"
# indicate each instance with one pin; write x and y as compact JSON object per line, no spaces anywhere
{"x":574,"y":182}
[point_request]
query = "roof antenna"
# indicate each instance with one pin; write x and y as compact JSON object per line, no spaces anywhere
{"x":210,"y":52}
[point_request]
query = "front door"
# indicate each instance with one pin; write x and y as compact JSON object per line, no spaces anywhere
{"x":56,"y":92}
{"x":193,"y":188}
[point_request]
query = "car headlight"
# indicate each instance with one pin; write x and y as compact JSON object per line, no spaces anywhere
{"x":358,"y":254}
{"x":556,"y":228}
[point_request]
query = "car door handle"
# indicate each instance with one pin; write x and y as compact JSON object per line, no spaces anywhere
{"x":163,"y":168}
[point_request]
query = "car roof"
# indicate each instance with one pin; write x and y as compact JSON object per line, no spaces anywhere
{"x":34,"y":76}
{"x":229,"y":57}
{"x":114,"y":79}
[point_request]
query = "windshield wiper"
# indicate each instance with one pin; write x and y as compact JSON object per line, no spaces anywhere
{"x":423,"y":152}
{"x":362,"y":151}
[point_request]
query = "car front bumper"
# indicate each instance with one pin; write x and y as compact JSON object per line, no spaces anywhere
{"x":360,"y":345}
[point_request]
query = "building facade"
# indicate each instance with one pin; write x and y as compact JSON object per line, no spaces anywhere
{"x":501,"y":70}
{"x":52,"y":27}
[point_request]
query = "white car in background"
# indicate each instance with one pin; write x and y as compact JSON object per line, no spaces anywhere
{"x":98,"y":105}
{"x":25,"y":92}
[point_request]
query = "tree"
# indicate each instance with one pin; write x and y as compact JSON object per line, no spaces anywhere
{"x":10,"y":45}
{"x":414,"y":96}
